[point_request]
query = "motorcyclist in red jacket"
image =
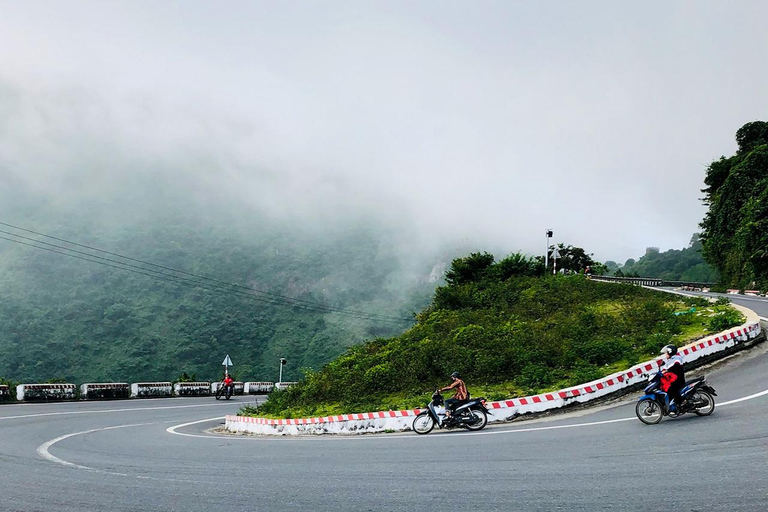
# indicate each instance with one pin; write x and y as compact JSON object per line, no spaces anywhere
{"x":673,"y":375}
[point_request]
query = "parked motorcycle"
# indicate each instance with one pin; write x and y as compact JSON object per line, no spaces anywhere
{"x":472,"y":415}
{"x":697,"y":397}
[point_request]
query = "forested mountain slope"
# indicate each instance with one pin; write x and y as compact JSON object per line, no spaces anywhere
{"x":62,"y":317}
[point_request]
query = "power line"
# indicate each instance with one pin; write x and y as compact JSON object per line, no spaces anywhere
{"x":195,"y":280}
{"x":190,"y":282}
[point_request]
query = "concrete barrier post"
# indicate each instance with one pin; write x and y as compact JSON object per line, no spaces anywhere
{"x":151,"y":390}
{"x":192,"y":389}
{"x":45,"y":392}
{"x":5,"y":393}
{"x":258,"y":388}
{"x":105,"y":391}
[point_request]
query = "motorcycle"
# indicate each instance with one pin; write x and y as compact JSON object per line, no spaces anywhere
{"x":472,"y":415}
{"x":226,"y":391}
{"x":697,"y":397}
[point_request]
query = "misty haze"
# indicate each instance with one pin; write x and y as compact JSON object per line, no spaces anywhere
{"x":339,"y":155}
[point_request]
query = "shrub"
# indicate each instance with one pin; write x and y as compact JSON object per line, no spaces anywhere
{"x":725,"y":320}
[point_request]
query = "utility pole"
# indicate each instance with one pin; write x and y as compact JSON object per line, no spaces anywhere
{"x":548,"y":235}
{"x":282,"y":363}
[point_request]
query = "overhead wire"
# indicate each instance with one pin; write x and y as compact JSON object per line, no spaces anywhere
{"x":194,"y":280}
{"x":190,"y":282}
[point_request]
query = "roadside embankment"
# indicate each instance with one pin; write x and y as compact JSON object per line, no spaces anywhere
{"x":697,"y":353}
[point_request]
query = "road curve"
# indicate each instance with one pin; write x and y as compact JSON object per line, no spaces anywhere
{"x":119,"y":456}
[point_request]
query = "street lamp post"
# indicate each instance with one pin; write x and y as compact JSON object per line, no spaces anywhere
{"x":548,"y":235}
{"x":282,"y":363}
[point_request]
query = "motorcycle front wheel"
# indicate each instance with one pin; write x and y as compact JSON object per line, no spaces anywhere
{"x":481,"y":420}
{"x":703,"y":402}
{"x":218,"y":392}
{"x":649,"y":411}
{"x":423,"y":423}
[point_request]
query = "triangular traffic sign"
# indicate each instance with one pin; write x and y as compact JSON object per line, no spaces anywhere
{"x":227,"y":361}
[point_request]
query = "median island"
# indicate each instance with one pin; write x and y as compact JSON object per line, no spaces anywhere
{"x":510,"y":332}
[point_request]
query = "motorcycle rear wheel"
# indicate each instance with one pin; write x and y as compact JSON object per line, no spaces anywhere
{"x":709,"y":403}
{"x":423,"y":423}
{"x":649,"y":411}
{"x":482,"y":420}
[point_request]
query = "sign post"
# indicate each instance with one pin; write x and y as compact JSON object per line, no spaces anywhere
{"x":226,"y":364}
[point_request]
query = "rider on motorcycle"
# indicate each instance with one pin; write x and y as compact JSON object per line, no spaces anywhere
{"x":673,"y":375}
{"x":460,"y":397}
{"x":228,"y":382}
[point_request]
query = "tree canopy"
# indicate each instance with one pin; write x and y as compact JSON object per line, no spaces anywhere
{"x":735,"y":228}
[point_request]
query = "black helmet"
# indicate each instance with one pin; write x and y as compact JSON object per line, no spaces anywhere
{"x":455,"y":375}
{"x":669,"y":349}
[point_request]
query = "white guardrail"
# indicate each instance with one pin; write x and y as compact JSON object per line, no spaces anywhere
{"x":122,"y":390}
{"x":503,"y":410}
{"x":258,"y":388}
{"x":192,"y":389}
{"x":151,"y":389}
{"x":45,"y":392}
{"x":105,"y":391}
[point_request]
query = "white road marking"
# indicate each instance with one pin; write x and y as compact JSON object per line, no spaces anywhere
{"x":172,"y":430}
{"x":750,"y":397}
{"x":42,"y":450}
{"x":108,"y":411}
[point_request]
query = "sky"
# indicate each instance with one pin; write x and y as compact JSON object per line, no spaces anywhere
{"x":480,"y":123}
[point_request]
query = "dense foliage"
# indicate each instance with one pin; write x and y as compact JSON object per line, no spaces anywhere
{"x":674,"y":265}
{"x":84,"y":322}
{"x":735,"y":228}
{"x":495,"y":327}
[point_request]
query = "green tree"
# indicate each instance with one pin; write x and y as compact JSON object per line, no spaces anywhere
{"x":735,"y":228}
{"x":469,"y":269}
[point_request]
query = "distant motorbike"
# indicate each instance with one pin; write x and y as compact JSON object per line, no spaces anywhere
{"x":472,"y":415}
{"x":224,"y":390}
{"x":697,"y":397}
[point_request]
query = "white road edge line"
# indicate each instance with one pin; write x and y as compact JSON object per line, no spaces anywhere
{"x":172,"y":430}
{"x":107,"y":411}
{"x":42,"y":450}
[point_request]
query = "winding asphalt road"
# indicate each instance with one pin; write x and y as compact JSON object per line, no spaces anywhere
{"x":158,"y":455}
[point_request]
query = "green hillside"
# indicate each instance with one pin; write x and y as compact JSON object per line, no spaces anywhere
{"x":508,"y":335}
{"x":673,"y":265}
{"x":62,"y":317}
